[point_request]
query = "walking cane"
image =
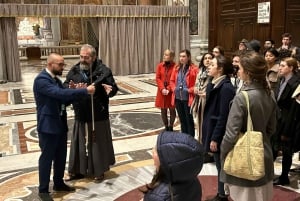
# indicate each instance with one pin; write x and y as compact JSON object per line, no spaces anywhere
{"x":92,"y":105}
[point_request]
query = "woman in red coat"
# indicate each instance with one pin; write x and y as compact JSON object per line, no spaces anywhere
{"x":164,"y":93}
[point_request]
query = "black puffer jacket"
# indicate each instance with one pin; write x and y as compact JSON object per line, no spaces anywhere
{"x":101,"y":74}
{"x":181,"y":159}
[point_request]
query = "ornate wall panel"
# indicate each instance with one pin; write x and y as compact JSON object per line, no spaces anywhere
{"x":71,"y":31}
{"x":193,"y":4}
{"x":96,"y":2}
{"x":292,"y":26}
{"x":232,"y":20}
{"x":227,"y":31}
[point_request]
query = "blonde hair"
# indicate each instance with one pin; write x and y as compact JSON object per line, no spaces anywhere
{"x":171,"y":52}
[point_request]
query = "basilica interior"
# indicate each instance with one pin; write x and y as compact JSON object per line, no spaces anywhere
{"x":135,"y":121}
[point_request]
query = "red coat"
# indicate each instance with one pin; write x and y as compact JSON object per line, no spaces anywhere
{"x":163,"y":75}
{"x":190,"y":81}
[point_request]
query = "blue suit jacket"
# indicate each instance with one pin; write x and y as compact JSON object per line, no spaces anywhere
{"x":51,"y":99}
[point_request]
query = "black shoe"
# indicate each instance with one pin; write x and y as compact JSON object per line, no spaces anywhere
{"x":218,"y":198}
{"x":281,"y":182}
{"x":208,"y":158}
{"x":45,"y":197}
{"x":63,"y":187}
{"x":99,"y":179}
{"x":75,"y":177}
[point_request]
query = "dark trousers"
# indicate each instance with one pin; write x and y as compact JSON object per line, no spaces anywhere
{"x":53,"y":149}
{"x":217,"y":159}
{"x":287,"y":158}
{"x":185,"y":117}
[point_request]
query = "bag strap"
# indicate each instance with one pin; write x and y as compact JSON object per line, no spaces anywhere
{"x":249,"y":120}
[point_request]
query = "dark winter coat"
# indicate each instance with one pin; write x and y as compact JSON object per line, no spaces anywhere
{"x":284,"y":105}
{"x":216,"y":111}
{"x":101,"y":74}
{"x":181,"y":160}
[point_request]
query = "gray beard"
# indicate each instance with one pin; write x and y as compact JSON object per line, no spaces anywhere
{"x":84,"y":66}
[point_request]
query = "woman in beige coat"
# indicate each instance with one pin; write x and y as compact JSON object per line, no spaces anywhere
{"x":252,"y":70}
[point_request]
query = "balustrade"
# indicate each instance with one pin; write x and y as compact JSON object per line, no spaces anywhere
{"x":66,"y":51}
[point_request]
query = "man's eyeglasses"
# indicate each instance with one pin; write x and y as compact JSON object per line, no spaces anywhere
{"x":85,"y":57}
{"x":61,"y":64}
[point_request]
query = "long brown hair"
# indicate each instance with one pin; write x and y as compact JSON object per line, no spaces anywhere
{"x":256,"y":68}
{"x":156,"y":180}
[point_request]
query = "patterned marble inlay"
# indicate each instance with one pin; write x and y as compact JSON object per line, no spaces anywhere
{"x":3,"y":97}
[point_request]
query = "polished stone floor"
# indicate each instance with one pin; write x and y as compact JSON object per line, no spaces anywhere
{"x":135,"y":124}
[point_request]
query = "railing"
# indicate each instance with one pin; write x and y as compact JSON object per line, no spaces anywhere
{"x":44,"y":51}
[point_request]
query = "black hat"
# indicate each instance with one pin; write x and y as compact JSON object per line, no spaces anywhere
{"x":253,"y":45}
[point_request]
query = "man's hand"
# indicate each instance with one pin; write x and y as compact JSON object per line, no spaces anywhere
{"x":91,"y":89}
{"x":213,"y":146}
{"x":80,"y":85}
{"x":107,"y":88}
{"x":72,"y":85}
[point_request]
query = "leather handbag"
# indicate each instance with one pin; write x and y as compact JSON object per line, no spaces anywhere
{"x":246,"y":159}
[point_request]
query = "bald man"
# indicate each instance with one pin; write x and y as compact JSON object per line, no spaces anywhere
{"x":51,"y":101}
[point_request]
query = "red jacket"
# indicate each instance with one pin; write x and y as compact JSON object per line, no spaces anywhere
{"x":163,"y":75}
{"x":190,"y":81}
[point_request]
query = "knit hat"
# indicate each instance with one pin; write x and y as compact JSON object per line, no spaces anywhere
{"x":244,"y":41}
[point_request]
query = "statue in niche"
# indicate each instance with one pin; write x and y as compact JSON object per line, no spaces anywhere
{"x":46,"y":31}
{"x":36,"y":29}
{"x":47,"y":23}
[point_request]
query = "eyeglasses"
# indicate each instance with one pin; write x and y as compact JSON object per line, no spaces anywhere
{"x":85,"y":57}
{"x":61,"y":64}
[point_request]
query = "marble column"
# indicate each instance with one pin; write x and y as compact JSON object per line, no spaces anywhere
{"x":55,"y":27}
{"x":199,"y":42}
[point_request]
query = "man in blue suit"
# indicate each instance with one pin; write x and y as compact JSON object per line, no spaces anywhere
{"x":51,"y":101}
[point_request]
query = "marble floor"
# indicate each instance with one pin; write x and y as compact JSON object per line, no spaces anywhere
{"x":135,"y":124}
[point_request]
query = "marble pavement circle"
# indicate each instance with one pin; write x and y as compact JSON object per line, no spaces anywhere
{"x":122,"y":124}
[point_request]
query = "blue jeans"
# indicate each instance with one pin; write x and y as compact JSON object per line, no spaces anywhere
{"x":185,"y":117}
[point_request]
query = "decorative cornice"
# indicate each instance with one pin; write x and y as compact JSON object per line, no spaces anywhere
{"x":76,"y":10}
